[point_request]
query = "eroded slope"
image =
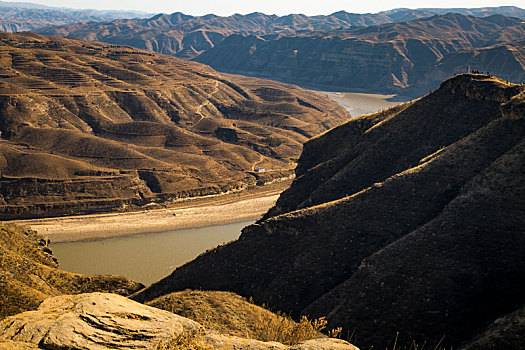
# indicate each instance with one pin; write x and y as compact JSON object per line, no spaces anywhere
{"x":89,"y":127}
{"x":188,"y":36}
{"x":410,"y":57}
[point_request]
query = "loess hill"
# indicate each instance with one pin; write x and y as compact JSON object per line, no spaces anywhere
{"x":406,"y":57}
{"x":88,"y":127}
{"x":410,"y":220}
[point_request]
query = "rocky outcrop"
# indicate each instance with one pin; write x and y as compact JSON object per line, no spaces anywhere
{"x":188,"y":36}
{"x":88,"y":127}
{"x":108,"y":321}
{"x":409,"y":220}
{"x":408,"y":58}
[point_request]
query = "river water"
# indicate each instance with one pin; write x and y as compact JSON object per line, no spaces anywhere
{"x":361,"y":103}
{"x":144,"y":258}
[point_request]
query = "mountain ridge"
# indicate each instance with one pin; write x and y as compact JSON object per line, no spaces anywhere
{"x":414,"y":210}
{"x":408,"y":58}
{"x":187,"y":36}
{"x":25,"y":16}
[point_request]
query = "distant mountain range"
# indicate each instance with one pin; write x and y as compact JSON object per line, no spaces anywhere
{"x":89,"y":127}
{"x":25,"y":16}
{"x":400,"y":51}
{"x":406,"y":57}
{"x":188,"y":36}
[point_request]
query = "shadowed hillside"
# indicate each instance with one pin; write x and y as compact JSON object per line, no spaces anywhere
{"x":188,"y":36}
{"x":29,"y":274}
{"x":408,"y":57}
{"x":409,"y":220}
{"x":88,"y":127}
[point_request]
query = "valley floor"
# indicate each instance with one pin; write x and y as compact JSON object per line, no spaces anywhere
{"x":202,"y":212}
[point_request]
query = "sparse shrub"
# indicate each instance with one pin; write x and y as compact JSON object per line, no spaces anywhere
{"x":414,"y":346}
{"x":272,"y":141}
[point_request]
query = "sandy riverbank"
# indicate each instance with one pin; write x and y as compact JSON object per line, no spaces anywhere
{"x":98,"y":226}
{"x":361,"y":103}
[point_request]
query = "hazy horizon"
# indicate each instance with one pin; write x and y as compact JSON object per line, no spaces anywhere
{"x":202,"y":7}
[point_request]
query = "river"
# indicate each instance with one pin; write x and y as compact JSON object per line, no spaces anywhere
{"x":144,"y":258}
{"x":361,"y":103}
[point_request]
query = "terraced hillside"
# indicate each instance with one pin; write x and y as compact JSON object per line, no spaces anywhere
{"x":409,"y":220}
{"x":88,"y":127}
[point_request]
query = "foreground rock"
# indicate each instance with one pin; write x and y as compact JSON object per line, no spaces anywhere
{"x":109,"y":321}
{"x":16,"y":345}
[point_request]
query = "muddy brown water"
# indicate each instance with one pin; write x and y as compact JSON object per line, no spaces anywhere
{"x":361,"y":103}
{"x":144,"y":258}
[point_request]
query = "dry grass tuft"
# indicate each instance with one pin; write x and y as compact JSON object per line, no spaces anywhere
{"x":187,"y":340}
{"x":284,"y":329}
{"x":231,"y":314}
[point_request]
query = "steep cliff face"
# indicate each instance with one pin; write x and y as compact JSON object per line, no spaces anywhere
{"x":507,"y":61}
{"x":402,"y":221}
{"x":188,"y":36}
{"x":408,"y":57}
{"x":87,"y":127}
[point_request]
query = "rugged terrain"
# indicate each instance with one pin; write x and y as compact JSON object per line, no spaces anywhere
{"x":188,"y":36}
{"x":23,"y":16}
{"x":88,"y":127}
{"x":29,"y":274}
{"x":107,"y":321}
{"x":76,"y":311}
{"x":410,"y":220}
{"x":410,"y":58}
